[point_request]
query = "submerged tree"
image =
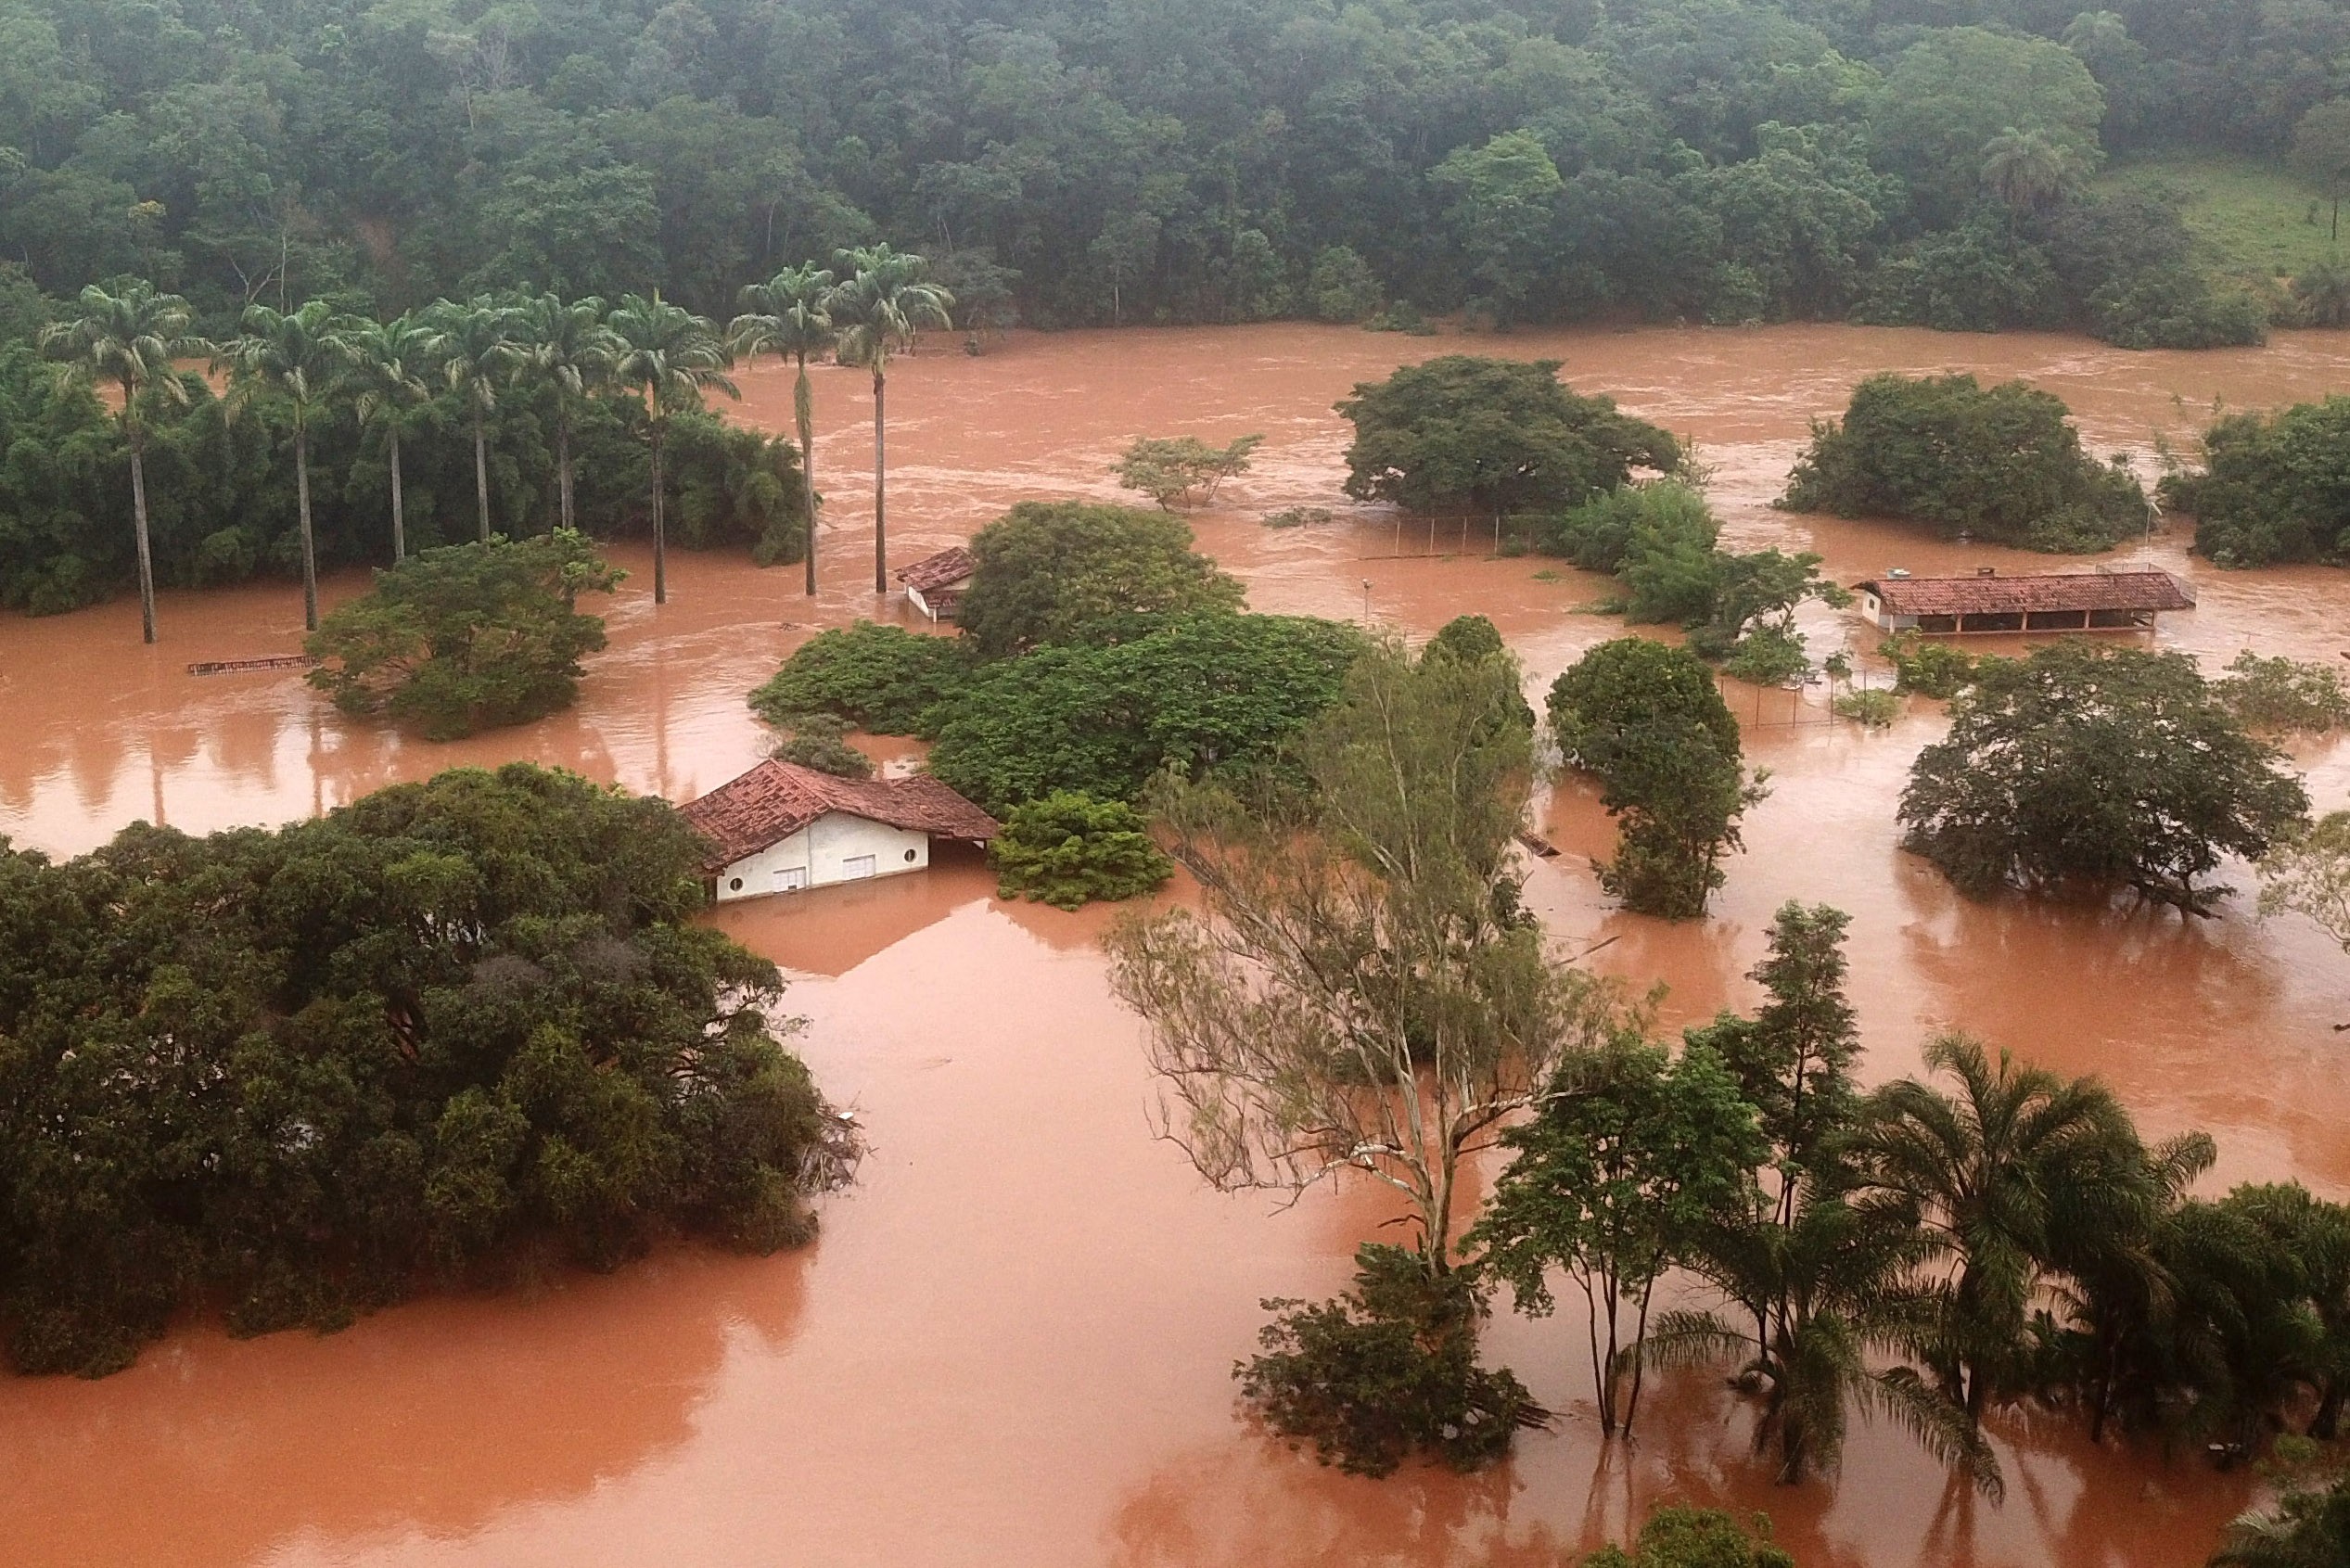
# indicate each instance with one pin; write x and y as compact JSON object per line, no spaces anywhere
{"x":1169,"y":469}
{"x":1360,"y":991}
{"x":129,"y":340}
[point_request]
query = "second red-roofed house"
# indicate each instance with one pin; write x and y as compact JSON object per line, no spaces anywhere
{"x":781,"y":828}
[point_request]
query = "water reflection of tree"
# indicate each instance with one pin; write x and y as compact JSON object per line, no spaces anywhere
{"x":431,"y":1418}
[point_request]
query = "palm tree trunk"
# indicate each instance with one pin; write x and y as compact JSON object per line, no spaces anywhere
{"x":880,"y":522}
{"x":309,"y":556}
{"x":399,"y":519}
{"x":138,"y":527}
{"x":660,"y":542}
{"x":481,"y":474}
{"x":563,"y":462}
{"x":803,"y":410}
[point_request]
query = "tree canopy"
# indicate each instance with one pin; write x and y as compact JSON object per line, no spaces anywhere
{"x":1491,"y":436}
{"x":2002,"y":463}
{"x":444,"y":1035}
{"x":1074,"y":572}
{"x":467,"y":636}
{"x":2272,"y":488}
{"x":2088,"y":769}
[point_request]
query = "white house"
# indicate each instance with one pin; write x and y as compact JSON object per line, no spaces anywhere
{"x":781,"y":827}
{"x":936,"y":583}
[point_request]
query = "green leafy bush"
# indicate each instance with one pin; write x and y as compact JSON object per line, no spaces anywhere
{"x":1068,"y":849}
{"x":1695,"y":1537}
{"x":1491,"y":436}
{"x":454,"y":1032}
{"x":882,"y":679}
{"x":1928,"y":668}
{"x":1768,"y":655}
{"x":1073,"y":572}
{"x":1870,"y":709}
{"x":821,"y":741}
{"x":467,"y":636}
{"x":1204,"y":693}
{"x":2284,"y":693}
{"x":2273,"y":487}
{"x":2002,"y":463}
{"x":1386,"y":1370}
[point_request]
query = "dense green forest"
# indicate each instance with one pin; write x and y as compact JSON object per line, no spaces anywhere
{"x":1182,"y":160}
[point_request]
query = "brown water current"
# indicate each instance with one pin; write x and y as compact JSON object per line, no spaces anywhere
{"x":1013,"y":1343}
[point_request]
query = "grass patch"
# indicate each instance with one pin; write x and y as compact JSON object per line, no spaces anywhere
{"x":2250,"y":219}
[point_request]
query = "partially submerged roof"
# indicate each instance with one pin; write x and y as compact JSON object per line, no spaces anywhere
{"x":941,"y":570}
{"x":1986,"y":593}
{"x":776,"y":799}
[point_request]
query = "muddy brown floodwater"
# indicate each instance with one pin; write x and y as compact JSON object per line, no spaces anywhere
{"x":1012,"y":1344}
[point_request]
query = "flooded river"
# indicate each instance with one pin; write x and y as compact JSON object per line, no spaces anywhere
{"x":1013,"y":1343}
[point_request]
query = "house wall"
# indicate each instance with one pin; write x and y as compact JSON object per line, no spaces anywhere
{"x":824,"y":849}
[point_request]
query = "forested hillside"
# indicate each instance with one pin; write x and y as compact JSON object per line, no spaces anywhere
{"x":1153,"y":160}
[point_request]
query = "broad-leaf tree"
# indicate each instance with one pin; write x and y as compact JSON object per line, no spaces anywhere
{"x":788,"y":317}
{"x":884,"y":301}
{"x":1078,"y":572}
{"x":672,"y":357}
{"x":128,"y":340}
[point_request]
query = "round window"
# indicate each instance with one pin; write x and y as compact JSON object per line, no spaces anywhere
{"x":735,"y":885}
{"x":910,"y":856}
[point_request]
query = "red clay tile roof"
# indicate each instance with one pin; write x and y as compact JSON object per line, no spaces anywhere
{"x":776,"y":799}
{"x":946,"y":568}
{"x":2015,"y":595}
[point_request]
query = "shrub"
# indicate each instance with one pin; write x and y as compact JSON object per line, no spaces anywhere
{"x":1491,"y":436}
{"x":2082,"y":769}
{"x":1929,"y":669}
{"x":1068,"y":849}
{"x":1342,"y":287}
{"x":1297,"y":517}
{"x":1870,"y":709}
{"x":1076,"y":572}
{"x":882,"y":679}
{"x":2284,"y":693}
{"x":1204,"y":693}
{"x":1386,"y":1370}
{"x":2001,"y":464}
{"x":820,"y":741}
{"x":1695,"y":1537}
{"x":2273,"y":487}
{"x":1768,"y":655}
{"x":466,"y":637}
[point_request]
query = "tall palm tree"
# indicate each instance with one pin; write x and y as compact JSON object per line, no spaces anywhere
{"x":787,"y":316}
{"x":1828,"y":1289}
{"x":674,"y":356}
{"x":571,"y":346}
{"x":884,"y":303}
{"x":296,"y":357}
{"x":1988,"y":1171}
{"x":477,"y":352}
{"x":388,"y":362}
{"x":129,"y":340}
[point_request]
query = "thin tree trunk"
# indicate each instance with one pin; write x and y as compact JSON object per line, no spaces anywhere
{"x":1640,"y":1361}
{"x":803,"y":410}
{"x":138,"y":522}
{"x":481,"y":474}
{"x":398,"y":519}
{"x":880,"y":487}
{"x":563,"y":463}
{"x":309,"y":555}
{"x":660,"y":542}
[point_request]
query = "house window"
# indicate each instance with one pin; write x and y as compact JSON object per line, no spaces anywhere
{"x":735,"y":884}
{"x":790,"y":879}
{"x":856,"y":866}
{"x":910,"y":856}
